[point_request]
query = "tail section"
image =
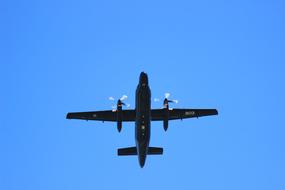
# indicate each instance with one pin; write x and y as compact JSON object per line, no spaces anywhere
{"x":154,"y":151}
{"x":130,"y":151}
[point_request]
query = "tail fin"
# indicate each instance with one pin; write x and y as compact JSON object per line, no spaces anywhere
{"x":154,"y":151}
{"x":127,"y":151}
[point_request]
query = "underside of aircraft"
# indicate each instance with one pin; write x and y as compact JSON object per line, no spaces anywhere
{"x":142,"y":115}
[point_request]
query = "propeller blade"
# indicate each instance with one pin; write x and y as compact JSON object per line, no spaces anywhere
{"x":175,"y":101}
{"x":167,"y":94}
{"x":156,"y":99}
{"x":123,"y":97}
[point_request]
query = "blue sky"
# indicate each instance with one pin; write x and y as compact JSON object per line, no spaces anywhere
{"x":61,"y":56}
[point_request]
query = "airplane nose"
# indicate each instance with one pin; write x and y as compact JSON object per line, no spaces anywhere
{"x":143,"y":75}
{"x":143,"y":78}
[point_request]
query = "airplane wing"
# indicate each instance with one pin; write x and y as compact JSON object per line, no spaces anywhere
{"x":107,"y":115}
{"x":159,"y":114}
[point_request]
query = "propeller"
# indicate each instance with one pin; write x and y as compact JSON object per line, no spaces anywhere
{"x":114,"y":106}
{"x":124,"y":97}
{"x":166,"y":96}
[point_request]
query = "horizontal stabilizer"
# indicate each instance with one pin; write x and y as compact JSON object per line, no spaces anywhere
{"x":127,"y":151}
{"x":154,"y":151}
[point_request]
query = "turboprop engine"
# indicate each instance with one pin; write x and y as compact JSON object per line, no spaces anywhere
{"x":166,"y":114}
{"x":119,"y":115}
{"x":118,"y":109}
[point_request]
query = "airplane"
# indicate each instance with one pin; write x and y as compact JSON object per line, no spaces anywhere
{"x":142,"y":115}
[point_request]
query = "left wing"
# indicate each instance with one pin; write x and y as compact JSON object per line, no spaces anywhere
{"x":159,"y":114}
{"x":107,"y":115}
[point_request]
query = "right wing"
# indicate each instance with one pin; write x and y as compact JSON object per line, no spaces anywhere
{"x":107,"y":115}
{"x":159,"y":114}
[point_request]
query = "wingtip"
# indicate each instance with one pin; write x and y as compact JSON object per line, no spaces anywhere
{"x":68,"y":116}
{"x":217,"y":112}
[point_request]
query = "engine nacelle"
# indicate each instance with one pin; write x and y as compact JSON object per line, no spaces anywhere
{"x":165,"y":124}
{"x":119,"y":125}
{"x":119,"y":115}
{"x":166,"y":114}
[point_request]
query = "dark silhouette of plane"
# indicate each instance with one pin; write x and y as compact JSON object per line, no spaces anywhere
{"x":142,"y":115}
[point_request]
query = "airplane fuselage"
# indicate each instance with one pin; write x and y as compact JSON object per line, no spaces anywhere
{"x":143,"y":114}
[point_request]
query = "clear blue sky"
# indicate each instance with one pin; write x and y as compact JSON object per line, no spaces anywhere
{"x":61,"y":56}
